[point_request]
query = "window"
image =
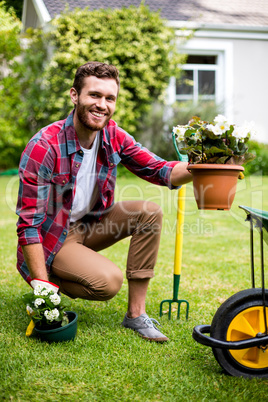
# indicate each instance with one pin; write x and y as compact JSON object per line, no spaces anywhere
{"x":198,"y":79}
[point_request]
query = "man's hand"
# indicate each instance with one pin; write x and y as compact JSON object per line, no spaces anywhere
{"x":180,"y":175}
{"x":44,"y":284}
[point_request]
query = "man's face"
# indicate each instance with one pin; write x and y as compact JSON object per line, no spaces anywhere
{"x":96,"y":103}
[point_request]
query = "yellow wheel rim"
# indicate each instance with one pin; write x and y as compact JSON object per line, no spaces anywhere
{"x":246,"y":325}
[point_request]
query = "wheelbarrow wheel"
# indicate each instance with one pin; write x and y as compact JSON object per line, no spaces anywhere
{"x":241,"y":317}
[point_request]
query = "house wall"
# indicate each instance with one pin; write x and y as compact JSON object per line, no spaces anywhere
{"x":243,"y":75}
{"x":250,"y":72}
{"x":30,"y":17}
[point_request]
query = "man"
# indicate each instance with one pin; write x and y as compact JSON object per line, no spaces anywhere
{"x":66,"y":201}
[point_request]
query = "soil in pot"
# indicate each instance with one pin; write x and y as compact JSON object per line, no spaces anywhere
{"x":45,"y":327}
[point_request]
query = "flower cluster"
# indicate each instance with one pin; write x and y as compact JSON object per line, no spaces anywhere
{"x":215,"y":142}
{"x":45,"y":306}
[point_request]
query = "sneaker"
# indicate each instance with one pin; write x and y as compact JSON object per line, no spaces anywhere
{"x":145,"y":327}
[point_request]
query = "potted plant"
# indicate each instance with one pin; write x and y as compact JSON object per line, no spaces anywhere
{"x":216,"y":151}
{"x":49,"y":318}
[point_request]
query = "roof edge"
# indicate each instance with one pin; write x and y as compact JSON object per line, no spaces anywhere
{"x":41,"y":11}
{"x":217,"y":27}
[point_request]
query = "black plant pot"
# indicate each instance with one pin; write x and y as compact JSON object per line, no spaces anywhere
{"x":59,"y":334}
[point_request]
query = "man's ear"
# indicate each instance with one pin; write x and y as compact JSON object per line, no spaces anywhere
{"x":74,"y":95}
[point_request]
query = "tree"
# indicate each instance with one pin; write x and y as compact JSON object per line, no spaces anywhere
{"x":22,"y":102}
{"x":135,"y":40}
{"x":17,"y":5}
{"x":10,"y":27}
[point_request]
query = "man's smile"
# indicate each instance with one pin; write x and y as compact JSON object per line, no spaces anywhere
{"x":98,"y":114}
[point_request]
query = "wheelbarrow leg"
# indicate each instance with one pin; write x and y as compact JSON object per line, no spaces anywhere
{"x":177,"y":258}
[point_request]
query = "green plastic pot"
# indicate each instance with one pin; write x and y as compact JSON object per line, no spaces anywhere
{"x":66,"y":333}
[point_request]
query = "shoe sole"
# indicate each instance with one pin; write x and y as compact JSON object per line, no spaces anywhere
{"x":160,"y":340}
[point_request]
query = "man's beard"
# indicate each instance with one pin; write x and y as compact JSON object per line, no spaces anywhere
{"x":83,"y":117}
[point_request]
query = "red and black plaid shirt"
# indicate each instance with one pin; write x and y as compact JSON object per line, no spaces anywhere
{"x":48,"y":171}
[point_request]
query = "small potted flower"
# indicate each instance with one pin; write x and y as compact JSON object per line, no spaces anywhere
{"x":216,"y":151}
{"x":49,"y":318}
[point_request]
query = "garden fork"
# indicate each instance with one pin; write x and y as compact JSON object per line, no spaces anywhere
{"x":178,"y":246}
{"x":178,"y":257}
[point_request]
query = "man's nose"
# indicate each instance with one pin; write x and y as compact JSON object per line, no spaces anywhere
{"x":101,"y":103}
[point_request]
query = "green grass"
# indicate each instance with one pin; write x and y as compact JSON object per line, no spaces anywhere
{"x":109,"y":363}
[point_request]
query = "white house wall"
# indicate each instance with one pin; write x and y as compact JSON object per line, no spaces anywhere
{"x":242,"y":78}
{"x":250,"y":67}
{"x":29,"y":15}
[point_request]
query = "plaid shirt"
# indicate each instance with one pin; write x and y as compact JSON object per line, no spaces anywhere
{"x":48,"y":171}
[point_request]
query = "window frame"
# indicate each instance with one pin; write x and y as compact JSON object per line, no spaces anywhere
{"x":196,"y":68}
{"x":223,"y":49}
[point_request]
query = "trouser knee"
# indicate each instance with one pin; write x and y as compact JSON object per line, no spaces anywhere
{"x":108,"y":287}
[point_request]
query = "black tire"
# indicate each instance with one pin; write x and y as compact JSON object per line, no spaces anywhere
{"x":247,"y":303}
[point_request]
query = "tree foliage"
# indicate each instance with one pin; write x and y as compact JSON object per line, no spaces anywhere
{"x":17,"y":5}
{"x":22,"y":102}
{"x":136,"y":40}
{"x":10,"y":27}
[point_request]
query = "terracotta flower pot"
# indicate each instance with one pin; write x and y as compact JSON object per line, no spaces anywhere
{"x":214,"y":185}
{"x":66,"y":333}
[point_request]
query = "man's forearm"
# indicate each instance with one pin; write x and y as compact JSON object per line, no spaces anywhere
{"x":35,"y":260}
{"x":180,"y":175}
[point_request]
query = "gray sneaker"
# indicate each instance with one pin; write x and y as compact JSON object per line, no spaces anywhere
{"x":145,"y":327}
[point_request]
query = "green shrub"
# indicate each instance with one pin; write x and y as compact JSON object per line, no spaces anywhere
{"x":10,"y":27}
{"x":36,"y":92}
{"x":135,"y":40}
{"x":22,"y":103}
{"x":259,"y":165}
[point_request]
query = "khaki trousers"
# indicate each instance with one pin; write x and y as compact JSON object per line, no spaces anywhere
{"x":81,"y":272}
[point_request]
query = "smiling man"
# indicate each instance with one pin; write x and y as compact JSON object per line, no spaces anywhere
{"x":66,"y":202}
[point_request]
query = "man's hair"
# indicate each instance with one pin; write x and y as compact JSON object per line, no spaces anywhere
{"x":99,"y":70}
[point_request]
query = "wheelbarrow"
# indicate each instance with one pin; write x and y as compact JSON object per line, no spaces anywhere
{"x":238,"y":332}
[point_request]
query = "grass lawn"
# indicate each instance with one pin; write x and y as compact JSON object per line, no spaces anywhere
{"x":109,"y":363}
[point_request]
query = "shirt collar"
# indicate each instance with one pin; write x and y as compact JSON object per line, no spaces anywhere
{"x":71,"y":136}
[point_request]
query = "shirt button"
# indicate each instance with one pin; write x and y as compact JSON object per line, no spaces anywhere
{"x":77,"y":165}
{"x":63,"y":181}
{"x":54,"y":252}
{"x":65,"y":233}
{"x":112,"y":164}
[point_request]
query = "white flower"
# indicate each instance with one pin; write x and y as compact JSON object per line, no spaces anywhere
{"x":222,"y":123}
{"x":247,"y":130}
{"x":45,"y":292}
{"x":38,"y":302}
{"x":38,"y":289}
{"x":55,"y":299}
{"x":215,"y":129}
{"x":179,"y":131}
{"x":52,"y":315}
{"x":29,"y":309}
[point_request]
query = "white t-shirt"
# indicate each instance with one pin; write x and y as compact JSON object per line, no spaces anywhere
{"x":86,"y":182}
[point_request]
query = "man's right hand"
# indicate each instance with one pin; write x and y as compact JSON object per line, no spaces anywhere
{"x":44,"y":284}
